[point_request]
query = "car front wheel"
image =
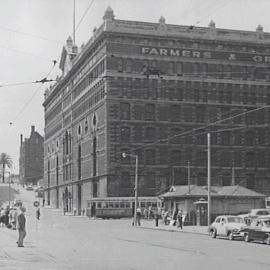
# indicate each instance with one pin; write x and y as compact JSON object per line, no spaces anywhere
{"x":247,"y":239}
{"x":213,"y":234}
{"x":231,"y":236}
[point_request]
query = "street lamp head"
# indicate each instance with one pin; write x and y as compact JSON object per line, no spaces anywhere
{"x":124,"y":155}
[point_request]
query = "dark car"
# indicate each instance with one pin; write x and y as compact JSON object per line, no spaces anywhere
{"x":29,"y":188}
{"x":259,"y":230}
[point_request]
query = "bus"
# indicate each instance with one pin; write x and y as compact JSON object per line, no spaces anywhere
{"x":120,"y":207}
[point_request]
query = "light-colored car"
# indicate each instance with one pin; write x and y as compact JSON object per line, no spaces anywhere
{"x":255,"y":213}
{"x":227,"y":226}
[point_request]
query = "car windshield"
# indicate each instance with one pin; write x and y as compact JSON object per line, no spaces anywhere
{"x":235,"y":220}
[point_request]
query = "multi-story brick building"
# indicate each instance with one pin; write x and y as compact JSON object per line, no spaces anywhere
{"x":133,"y":87}
{"x":31,"y":159}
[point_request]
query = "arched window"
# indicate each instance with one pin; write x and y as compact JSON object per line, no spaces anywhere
{"x":79,"y":161}
{"x":86,"y":126}
{"x":67,"y":142}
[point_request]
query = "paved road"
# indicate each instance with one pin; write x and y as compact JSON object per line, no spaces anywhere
{"x":67,"y":242}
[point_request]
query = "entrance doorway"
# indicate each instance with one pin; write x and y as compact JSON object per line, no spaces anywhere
{"x":79,"y":199}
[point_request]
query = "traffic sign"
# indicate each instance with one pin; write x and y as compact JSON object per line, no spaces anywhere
{"x":36,"y":203}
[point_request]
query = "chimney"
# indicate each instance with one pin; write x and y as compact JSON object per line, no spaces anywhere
{"x":21,"y":138}
{"x":32,"y":129}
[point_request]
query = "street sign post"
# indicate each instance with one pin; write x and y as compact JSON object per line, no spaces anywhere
{"x":36,"y":203}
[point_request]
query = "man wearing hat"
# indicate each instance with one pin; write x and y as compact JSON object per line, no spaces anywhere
{"x":21,"y":226}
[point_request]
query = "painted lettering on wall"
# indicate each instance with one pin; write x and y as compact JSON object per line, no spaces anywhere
{"x":205,"y":54}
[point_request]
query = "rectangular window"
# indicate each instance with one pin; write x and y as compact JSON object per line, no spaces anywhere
{"x":149,"y":112}
{"x":125,"y":111}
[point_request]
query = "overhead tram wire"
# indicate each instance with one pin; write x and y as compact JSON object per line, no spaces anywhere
{"x":33,"y":95}
{"x":29,"y":35}
{"x":26,"y":83}
{"x":84,"y":14}
{"x":26,"y":53}
{"x":210,"y":13}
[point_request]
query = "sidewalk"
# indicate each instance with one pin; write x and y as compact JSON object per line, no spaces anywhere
{"x":150,"y":225}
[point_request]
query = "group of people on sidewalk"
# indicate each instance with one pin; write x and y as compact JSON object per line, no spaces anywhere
{"x":14,"y":218}
{"x":175,"y":219}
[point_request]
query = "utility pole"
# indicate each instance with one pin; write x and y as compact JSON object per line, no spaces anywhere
{"x":233,"y":175}
{"x":136,"y":191}
{"x":188,"y":177}
{"x":9,"y":190}
{"x":124,"y":155}
{"x":74,"y":21}
{"x":209,"y":178}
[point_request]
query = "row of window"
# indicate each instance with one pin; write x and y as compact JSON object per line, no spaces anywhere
{"x":199,"y":158}
{"x":182,"y":136}
{"x":190,"y":91}
{"x":85,"y":104}
{"x":183,"y":113}
{"x":221,"y":71}
{"x":179,"y":177}
{"x":93,"y":75}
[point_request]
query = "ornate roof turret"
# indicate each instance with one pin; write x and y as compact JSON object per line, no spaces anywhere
{"x":162,"y":27}
{"x":108,"y":15}
{"x":212,"y":24}
{"x":161,"y":20}
{"x":259,"y":28}
{"x":259,"y":34}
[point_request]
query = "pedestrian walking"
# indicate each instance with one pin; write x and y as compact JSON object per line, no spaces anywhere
{"x":38,"y":214}
{"x":21,"y":226}
{"x":180,"y":220}
{"x":175,"y":213}
{"x":139,"y":215}
{"x":43,"y":202}
{"x":156,"y":218}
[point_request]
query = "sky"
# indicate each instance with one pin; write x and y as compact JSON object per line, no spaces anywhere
{"x":33,"y":32}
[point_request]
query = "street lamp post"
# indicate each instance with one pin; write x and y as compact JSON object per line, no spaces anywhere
{"x":124,"y":155}
{"x":9,"y":196}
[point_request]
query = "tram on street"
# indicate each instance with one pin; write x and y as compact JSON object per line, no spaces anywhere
{"x":120,"y":207}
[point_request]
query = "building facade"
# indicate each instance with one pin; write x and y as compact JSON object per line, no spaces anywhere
{"x":31,"y":159}
{"x":155,"y":90}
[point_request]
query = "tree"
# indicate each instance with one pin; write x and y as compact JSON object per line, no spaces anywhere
{"x":5,"y":160}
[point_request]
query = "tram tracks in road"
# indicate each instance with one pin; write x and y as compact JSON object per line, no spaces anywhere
{"x":162,"y":246}
{"x":243,"y":259}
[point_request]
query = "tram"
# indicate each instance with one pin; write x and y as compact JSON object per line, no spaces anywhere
{"x":119,"y":207}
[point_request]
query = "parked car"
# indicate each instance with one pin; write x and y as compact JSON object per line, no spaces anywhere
{"x":259,"y":230}
{"x":227,"y":226}
{"x":29,"y":188}
{"x":255,"y":213}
